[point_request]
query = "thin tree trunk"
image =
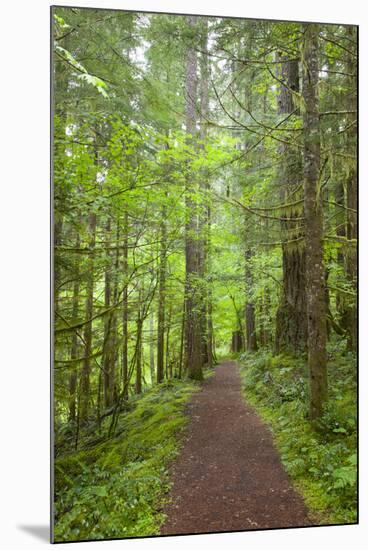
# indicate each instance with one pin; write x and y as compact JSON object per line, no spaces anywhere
{"x":250,"y":324}
{"x":114,"y":378}
{"x":182,"y":334}
{"x":107,"y":328}
{"x":138,"y":379}
{"x":73,"y":380}
{"x":161,"y":299}
{"x":192,"y":294}
{"x":87,"y":336}
{"x":315,"y":279}
{"x":250,"y":319}
{"x":352,"y":203}
{"x":99,"y":400}
{"x":58,"y":228}
{"x":152,"y":349}
{"x":110,"y":337}
{"x":124,"y":353}
{"x":168,"y":367}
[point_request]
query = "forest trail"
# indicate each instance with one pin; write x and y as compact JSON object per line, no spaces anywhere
{"x":229,"y":476}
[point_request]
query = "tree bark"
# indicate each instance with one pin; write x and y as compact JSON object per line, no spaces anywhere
{"x":110,"y":338}
{"x":161,"y":299}
{"x":237,"y":341}
{"x":250,"y":319}
{"x":205,"y":215}
{"x":87,"y":336}
{"x":315,"y":277}
{"x":106,"y":344}
{"x":168,"y":362}
{"x":73,"y":380}
{"x":138,"y":366}
{"x":152,"y":349}
{"x":192,"y":295}
{"x":124,"y":352}
{"x":58,"y":229}
{"x":291,"y":317}
{"x":352,"y":203}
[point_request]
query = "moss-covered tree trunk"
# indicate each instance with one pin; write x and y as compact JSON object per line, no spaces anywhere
{"x":152,"y":347}
{"x":249,"y":313}
{"x":73,"y":378}
{"x":124,"y":352}
{"x":193,"y":340}
{"x":291,"y":317}
{"x":315,"y":276}
{"x":205,"y":211}
{"x":352,"y":195}
{"x":161,"y":299}
{"x":138,"y":349}
{"x":87,"y":335}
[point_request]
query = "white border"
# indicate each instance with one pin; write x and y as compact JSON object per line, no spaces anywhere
{"x":24,"y":231}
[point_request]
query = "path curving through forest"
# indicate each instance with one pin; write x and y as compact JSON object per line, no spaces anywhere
{"x":228,"y":476}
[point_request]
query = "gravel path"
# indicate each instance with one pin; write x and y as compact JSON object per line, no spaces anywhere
{"x":229,"y":476}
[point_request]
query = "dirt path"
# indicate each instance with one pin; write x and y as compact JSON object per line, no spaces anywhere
{"x":228,"y":476}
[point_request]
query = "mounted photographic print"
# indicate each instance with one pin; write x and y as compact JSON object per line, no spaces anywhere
{"x":204,"y":274}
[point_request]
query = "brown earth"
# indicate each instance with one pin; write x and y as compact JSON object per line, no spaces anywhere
{"x":228,"y":476}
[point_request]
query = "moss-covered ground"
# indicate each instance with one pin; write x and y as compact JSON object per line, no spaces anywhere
{"x":117,"y":488}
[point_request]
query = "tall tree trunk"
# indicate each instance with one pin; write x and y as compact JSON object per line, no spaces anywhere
{"x":250,"y":319}
{"x":192,"y":294}
{"x":58,"y":228}
{"x":237,"y":338}
{"x":152,"y":348}
{"x":340,"y":219}
{"x":250,"y":326}
{"x":161,"y":299}
{"x":73,"y":379}
{"x":182,"y":341}
{"x":107,"y":328}
{"x":124,"y":352}
{"x":110,"y":337}
{"x":315,"y":277}
{"x":352,"y":202}
{"x":138,"y":359}
{"x":114,"y":378}
{"x":210,"y":340}
{"x":87,"y":336}
{"x":237,"y":341}
{"x":291,"y":317}
{"x":168,"y":363}
{"x":205,"y":213}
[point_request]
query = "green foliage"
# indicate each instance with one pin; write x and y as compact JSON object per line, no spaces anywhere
{"x":123,"y":158}
{"x":117,"y":488}
{"x":321,"y":464}
{"x":99,"y":84}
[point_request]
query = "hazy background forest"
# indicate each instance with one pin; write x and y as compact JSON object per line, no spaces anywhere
{"x":205,"y":206}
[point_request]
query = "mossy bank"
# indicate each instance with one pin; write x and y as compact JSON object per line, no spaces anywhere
{"x":322,"y":464}
{"x":117,"y":488}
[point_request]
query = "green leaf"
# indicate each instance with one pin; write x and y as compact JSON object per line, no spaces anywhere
{"x":96,"y":82}
{"x":68,"y":57}
{"x":339,"y":431}
{"x":100,"y":491}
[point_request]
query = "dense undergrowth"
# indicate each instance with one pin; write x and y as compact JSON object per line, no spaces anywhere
{"x":117,"y":488}
{"x":322,"y":464}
